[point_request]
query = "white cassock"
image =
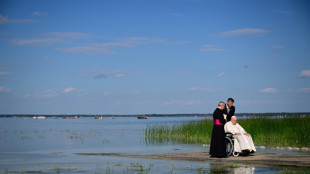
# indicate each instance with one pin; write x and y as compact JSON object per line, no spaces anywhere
{"x":241,"y":142}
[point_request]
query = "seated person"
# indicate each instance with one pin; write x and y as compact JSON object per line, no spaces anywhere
{"x":243,"y":140}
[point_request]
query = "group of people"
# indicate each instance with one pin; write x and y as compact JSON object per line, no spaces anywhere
{"x":225,"y":121}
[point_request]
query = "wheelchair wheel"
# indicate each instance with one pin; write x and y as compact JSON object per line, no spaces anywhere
{"x":235,"y":153}
{"x":229,"y":146}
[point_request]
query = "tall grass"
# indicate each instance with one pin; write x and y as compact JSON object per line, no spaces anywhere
{"x":294,"y":132}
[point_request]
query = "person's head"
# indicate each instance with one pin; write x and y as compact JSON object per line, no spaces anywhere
{"x":230,"y":102}
{"x":233,"y":120}
{"x":221,"y":105}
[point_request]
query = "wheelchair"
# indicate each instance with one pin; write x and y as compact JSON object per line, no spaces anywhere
{"x":229,"y":140}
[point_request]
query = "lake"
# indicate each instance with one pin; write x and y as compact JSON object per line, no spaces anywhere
{"x":49,"y":146}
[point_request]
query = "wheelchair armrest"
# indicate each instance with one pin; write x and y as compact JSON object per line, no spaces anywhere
{"x":229,"y":134}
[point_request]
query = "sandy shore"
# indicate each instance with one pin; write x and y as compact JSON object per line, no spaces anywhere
{"x":293,"y":160}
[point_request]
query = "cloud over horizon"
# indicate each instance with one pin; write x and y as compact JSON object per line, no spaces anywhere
{"x":104,"y":74}
{"x":107,"y":47}
{"x":269,"y":90}
{"x":276,"y":47}
{"x":50,"y":38}
{"x":4,"y":89}
{"x":50,"y":93}
{"x":244,"y":31}
{"x":7,"y":20}
{"x":211,"y":48}
{"x":305,"y":74}
{"x":37,"y":13}
{"x":2,"y":73}
{"x":221,"y":74}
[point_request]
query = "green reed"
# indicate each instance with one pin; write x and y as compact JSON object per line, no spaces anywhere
{"x":294,"y":132}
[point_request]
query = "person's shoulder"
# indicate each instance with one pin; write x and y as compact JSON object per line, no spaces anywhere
{"x":217,"y":110}
{"x":229,"y":122}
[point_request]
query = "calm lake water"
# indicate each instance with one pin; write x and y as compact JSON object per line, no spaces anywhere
{"x":49,"y":146}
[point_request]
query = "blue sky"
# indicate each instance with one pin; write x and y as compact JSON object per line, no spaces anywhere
{"x":134,"y":57}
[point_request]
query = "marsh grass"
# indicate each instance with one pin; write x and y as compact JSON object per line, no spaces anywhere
{"x":294,"y":132}
{"x":291,"y":171}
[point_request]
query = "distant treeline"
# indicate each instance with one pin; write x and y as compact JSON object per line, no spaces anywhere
{"x":268,"y":114}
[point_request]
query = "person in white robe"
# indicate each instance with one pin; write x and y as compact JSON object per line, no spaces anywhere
{"x":243,"y":140}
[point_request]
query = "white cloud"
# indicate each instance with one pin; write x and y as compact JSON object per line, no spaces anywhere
{"x":303,"y":90}
{"x":4,"y":89}
{"x":4,"y":73}
{"x":73,"y":35}
{"x":305,"y":74}
{"x":6,"y":20}
{"x":47,"y":58}
{"x":119,"y":75}
{"x":276,"y":47}
{"x":37,"y":42}
{"x":45,"y":94}
{"x":244,"y":31}
{"x":107,"y":47}
{"x":104,"y":74}
{"x":37,"y":13}
{"x":207,"y":90}
{"x":221,"y":74}
{"x":269,"y":90}
{"x":53,"y":93}
{"x":71,"y":89}
{"x":183,"y":103}
{"x":50,"y":38}
{"x":87,"y":50}
{"x":210,"y":48}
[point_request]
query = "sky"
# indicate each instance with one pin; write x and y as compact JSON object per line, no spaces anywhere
{"x":145,"y":57}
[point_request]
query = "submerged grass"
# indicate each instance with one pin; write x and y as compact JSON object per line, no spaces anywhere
{"x":294,"y":132}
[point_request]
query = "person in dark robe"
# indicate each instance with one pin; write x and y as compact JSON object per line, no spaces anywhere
{"x":229,"y":108}
{"x":218,"y":145}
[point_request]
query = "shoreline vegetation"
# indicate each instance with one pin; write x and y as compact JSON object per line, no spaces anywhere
{"x":208,"y":115}
{"x":284,"y":132}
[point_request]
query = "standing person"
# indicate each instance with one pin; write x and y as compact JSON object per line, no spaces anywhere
{"x":229,"y":108}
{"x":218,"y":145}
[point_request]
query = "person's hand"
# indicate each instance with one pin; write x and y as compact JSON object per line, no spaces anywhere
{"x":237,"y":133}
{"x":225,"y":116}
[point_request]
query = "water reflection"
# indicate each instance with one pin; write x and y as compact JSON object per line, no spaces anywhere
{"x":231,"y":168}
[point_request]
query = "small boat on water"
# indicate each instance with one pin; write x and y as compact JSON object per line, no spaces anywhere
{"x":39,"y":117}
{"x":97,"y":117}
{"x":70,"y":117}
{"x":142,"y":117}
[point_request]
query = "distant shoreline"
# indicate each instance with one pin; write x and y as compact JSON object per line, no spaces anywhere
{"x":265,"y":114}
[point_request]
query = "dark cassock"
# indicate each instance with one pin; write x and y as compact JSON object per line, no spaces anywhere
{"x":218,"y":145}
{"x":229,"y":111}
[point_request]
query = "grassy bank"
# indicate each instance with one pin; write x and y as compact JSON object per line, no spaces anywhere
{"x":294,"y":132}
